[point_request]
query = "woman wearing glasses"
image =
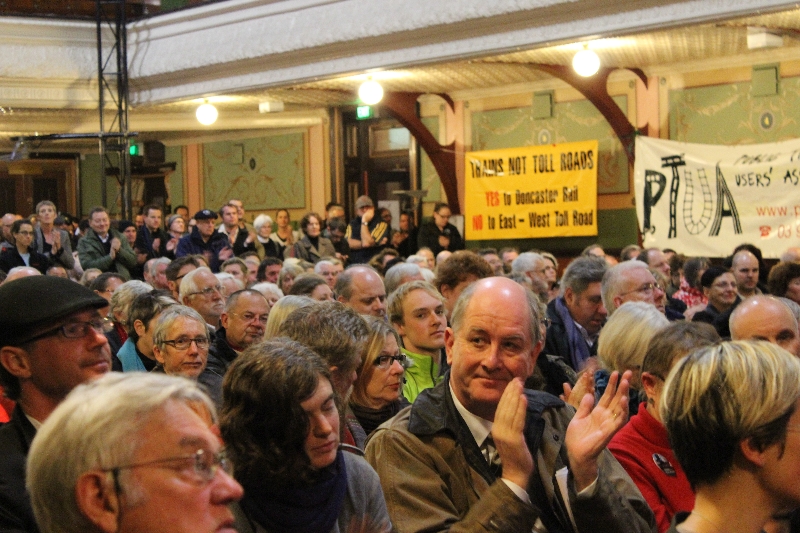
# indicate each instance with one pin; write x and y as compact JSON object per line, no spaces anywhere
{"x":180,"y":342}
{"x":23,"y":254}
{"x":719,"y":286}
{"x":280,"y":422}
{"x":377,"y":393}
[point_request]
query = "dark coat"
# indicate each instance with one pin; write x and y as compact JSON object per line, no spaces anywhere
{"x":64,"y":257}
{"x":220,"y":357}
{"x":193,"y":244}
{"x":303,"y":249}
{"x":16,"y":514}
{"x":429,"y":236}
{"x":144,"y":243}
{"x":10,"y":258}
{"x":92,"y":254}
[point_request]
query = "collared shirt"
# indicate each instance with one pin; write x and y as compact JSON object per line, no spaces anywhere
{"x":480,"y":429}
{"x":590,"y":339}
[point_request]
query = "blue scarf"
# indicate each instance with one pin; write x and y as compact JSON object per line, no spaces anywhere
{"x":302,"y":509}
{"x":578,"y":348}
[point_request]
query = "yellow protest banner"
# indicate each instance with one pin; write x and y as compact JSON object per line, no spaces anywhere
{"x":531,"y":192}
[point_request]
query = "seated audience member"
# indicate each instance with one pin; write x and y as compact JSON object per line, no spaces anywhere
{"x":552,"y":276}
{"x":204,"y":240}
{"x":534,"y":267}
{"x":89,"y":276}
{"x":766,"y":318}
{"x":237,"y":268}
{"x":136,"y":354}
{"x":286,"y":277}
{"x":57,"y":271}
{"x":281,"y":425}
{"x":491,"y":257}
{"x":442,"y":256}
{"x":576,"y":318}
{"x":51,"y":240}
{"x":792,"y":254}
{"x":327,"y":270}
{"x":416,"y":310}
{"x":339,"y":335}
{"x":673,"y":309}
{"x":377,"y":393}
{"x":480,"y":452}
{"x":242,"y":324}
{"x":594,"y":250}
{"x":462,"y":269}
{"x":23,"y":253}
{"x":731,"y":413}
{"x":105,"y":434}
{"x":784,"y":280}
{"x":745,"y":269}
{"x":177,"y":269}
{"x":263,"y":226}
{"x":690,"y":291}
{"x":439,"y":234}
{"x":202,"y":291}
{"x":387,"y":256}
{"x":429,"y":257}
{"x":623,"y":344}
{"x":229,"y":283}
{"x":400,"y":274}
{"x":20,"y":272}
{"x":155,"y":273}
{"x":312,"y":285}
{"x":507,"y":255}
{"x":120,"y":304}
{"x":630,"y":281}
{"x":269,"y":270}
{"x":104,"y":247}
{"x":270,"y":291}
{"x":642,"y":446}
{"x":655,"y":259}
{"x":51,"y":340}
{"x":631,"y":251}
{"x":719,"y":286}
{"x":312,"y":246}
{"x":106,"y":283}
{"x":180,"y":342}
{"x":281,"y":309}
{"x":361,"y":288}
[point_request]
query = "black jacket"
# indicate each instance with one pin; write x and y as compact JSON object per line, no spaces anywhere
{"x":429,"y":236}
{"x":220,"y":357}
{"x":10,"y":258}
{"x":16,"y":514}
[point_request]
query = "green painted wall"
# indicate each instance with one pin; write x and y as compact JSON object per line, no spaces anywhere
{"x":428,"y":177}
{"x":266,"y":172}
{"x":730,"y":114}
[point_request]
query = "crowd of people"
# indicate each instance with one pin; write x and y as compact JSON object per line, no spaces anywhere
{"x":205,"y":374}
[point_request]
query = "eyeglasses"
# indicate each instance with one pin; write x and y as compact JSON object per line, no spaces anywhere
{"x":385,"y":361}
{"x":251,"y":317}
{"x":183,"y":343}
{"x":204,"y":464}
{"x":208,"y":291}
{"x":77,"y":330}
{"x":647,"y":289}
{"x":724,"y":285}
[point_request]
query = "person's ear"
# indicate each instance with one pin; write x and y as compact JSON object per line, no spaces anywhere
{"x":139,"y":327}
{"x":158,"y":353}
{"x":399,"y":328}
{"x":223,"y":320}
{"x":449,"y":341}
{"x":15,"y":361}
{"x":97,"y":500}
{"x":569,"y":296}
{"x":649,"y":384}
{"x":446,"y":291}
{"x":754,"y":453}
{"x":617,"y":301}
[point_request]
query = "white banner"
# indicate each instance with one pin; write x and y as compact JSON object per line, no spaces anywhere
{"x":704,"y":200}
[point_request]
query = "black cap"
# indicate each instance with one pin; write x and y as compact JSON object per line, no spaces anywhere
{"x":32,"y":301}
{"x":205,"y":214}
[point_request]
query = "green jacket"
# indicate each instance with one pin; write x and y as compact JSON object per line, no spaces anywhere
{"x":422,"y":374}
{"x":92,"y":254}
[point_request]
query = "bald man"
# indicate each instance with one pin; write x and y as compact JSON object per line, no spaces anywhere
{"x":744,"y":266}
{"x":766,"y":318}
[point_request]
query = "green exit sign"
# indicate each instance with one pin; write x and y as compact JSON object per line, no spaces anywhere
{"x":135,"y":149}
{"x":364,"y":112}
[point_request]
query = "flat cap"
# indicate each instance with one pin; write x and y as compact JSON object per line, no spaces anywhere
{"x":29,"y":302}
{"x":205,"y":214}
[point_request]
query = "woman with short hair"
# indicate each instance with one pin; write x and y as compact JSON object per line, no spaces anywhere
{"x":280,"y":422}
{"x":23,"y":253}
{"x":50,"y":240}
{"x":313,"y":246}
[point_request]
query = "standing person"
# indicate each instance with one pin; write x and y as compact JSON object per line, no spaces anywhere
{"x":480,"y":453}
{"x":281,"y":425}
{"x":50,"y":240}
{"x":23,"y":254}
{"x":151,"y":239}
{"x":104,"y":247}
{"x":284,"y":236}
{"x":405,"y":239}
{"x":203,"y":240}
{"x":367,"y":234}
{"x":336,"y":231}
{"x":263,"y":226}
{"x":239,"y":238}
{"x":313,"y":246}
{"x":732,"y":412}
{"x":439,"y":234}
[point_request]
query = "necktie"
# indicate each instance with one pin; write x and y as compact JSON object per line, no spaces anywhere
{"x":492,"y":457}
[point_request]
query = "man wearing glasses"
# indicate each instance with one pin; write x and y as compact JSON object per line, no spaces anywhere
{"x":137,"y":455}
{"x":180,"y":342}
{"x":51,"y":340}
{"x":201,"y":290}
{"x":631,"y":281}
{"x":243,"y":324}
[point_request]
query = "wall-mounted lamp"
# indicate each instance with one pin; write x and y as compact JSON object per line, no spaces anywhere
{"x":370,"y":92}
{"x":206,"y":114}
{"x":586,"y":63}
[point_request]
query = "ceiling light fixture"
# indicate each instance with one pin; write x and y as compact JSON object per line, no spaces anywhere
{"x":586,"y":63}
{"x":206,"y":114}
{"x":370,"y":92}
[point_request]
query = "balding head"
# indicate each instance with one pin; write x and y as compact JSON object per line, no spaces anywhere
{"x":791,"y":254}
{"x":744,"y":266}
{"x":21,"y":272}
{"x":766,"y":318}
{"x":7,"y":220}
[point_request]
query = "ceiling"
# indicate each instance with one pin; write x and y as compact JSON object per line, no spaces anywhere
{"x":700,"y":47}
